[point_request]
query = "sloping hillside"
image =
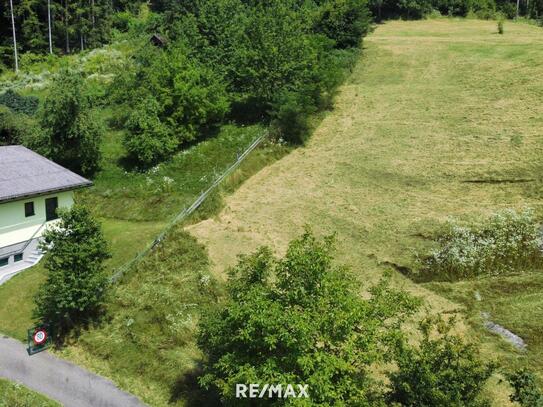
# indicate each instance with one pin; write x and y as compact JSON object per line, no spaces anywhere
{"x":441,"y":118}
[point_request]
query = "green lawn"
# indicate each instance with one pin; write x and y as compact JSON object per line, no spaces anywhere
{"x":16,"y":395}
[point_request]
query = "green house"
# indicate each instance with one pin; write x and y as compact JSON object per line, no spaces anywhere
{"x":32,"y":188}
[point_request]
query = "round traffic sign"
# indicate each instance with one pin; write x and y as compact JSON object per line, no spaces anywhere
{"x":40,"y":336}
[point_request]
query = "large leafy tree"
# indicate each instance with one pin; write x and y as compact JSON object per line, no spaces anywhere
{"x":300,"y":320}
{"x":71,"y":135}
{"x":76,"y":283}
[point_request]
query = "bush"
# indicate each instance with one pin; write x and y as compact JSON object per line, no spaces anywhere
{"x":16,"y":128}
{"x":500,"y":26}
{"x":300,"y":320}
{"x":148,"y":140}
{"x":526,"y":392}
{"x":76,"y":283}
{"x":344,"y":21}
{"x":441,"y":371}
{"x":19,"y":104}
{"x":508,"y":241}
{"x":291,"y":117}
{"x":71,"y":135}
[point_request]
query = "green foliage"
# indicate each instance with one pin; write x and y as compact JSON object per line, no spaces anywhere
{"x":72,"y":135}
{"x":148,"y":140}
{"x":300,"y":320}
{"x":176,"y":97}
{"x":17,"y":128}
{"x":344,"y":21}
{"x":291,"y":117}
{"x":500,"y":26}
{"x":441,"y":371}
{"x":76,"y":283}
{"x":19,"y":104}
{"x":508,"y":241}
{"x":526,"y":391}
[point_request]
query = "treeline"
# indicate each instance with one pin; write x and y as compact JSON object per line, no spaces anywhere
{"x":57,"y":26}
{"x":248,"y":61}
{"x":485,"y":9}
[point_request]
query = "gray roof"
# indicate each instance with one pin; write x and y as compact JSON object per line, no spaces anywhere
{"x":24,"y":173}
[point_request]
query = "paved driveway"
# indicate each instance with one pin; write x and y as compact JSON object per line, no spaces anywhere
{"x":59,"y":380}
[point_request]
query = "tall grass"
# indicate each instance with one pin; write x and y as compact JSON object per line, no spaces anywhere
{"x":508,"y":241}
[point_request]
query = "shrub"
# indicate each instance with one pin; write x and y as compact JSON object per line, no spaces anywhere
{"x":344,"y":21}
{"x":71,"y":135}
{"x":16,"y":128}
{"x":76,"y":283}
{"x":500,"y":26}
{"x":441,"y":371}
{"x":291,"y":117}
{"x":19,"y":104}
{"x":300,"y":320}
{"x":148,"y":140}
{"x":508,"y":241}
{"x":526,"y":392}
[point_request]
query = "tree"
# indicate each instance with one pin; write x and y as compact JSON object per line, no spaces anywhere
{"x":441,"y":371}
{"x":14,"y":36}
{"x":300,"y":320}
{"x":76,"y":283}
{"x":148,"y":140}
{"x":72,"y":135}
{"x":526,"y":392}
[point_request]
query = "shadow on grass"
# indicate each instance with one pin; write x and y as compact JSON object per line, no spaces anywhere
{"x":131,"y":164}
{"x":187,"y":388}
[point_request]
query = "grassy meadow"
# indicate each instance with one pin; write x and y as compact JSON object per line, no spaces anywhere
{"x":440,"y":118}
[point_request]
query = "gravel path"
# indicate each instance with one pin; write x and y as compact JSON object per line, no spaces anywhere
{"x":59,"y":380}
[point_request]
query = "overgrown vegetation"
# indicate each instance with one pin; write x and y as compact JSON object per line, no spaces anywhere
{"x":71,"y":136}
{"x":19,"y":104}
{"x":508,"y":241}
{"x":526,"y":389}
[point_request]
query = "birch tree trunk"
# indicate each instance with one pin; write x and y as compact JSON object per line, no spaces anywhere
{"x":49,"y":24}
{"x":67,"y":26}
{"x":14,"y":37}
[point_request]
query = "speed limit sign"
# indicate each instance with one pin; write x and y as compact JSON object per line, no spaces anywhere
{"x":40,"y":336}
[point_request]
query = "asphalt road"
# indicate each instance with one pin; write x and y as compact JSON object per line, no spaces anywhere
{"x":59,"y":380}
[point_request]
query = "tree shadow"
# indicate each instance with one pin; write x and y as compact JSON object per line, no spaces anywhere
{"x":187,"y":388}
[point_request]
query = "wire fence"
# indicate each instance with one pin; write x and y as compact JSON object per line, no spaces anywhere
{"x":186,"y":212}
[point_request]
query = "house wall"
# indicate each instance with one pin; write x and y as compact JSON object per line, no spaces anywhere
{"x":16,"y":228}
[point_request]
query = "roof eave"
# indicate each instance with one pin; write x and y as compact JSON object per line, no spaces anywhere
{"x":46,"y":192}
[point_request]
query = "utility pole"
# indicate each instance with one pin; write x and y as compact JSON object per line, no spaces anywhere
{"x":14,"y":37}
{"x":49,"y":23}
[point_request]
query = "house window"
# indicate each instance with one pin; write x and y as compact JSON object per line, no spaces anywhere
{"x":29,"y":209}
{"x":4,"y":261}
{"x":51,"y":206}
{"x":18,"y":257}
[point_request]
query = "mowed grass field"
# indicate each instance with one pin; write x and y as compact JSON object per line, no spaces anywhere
{"x":440,"y":118}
